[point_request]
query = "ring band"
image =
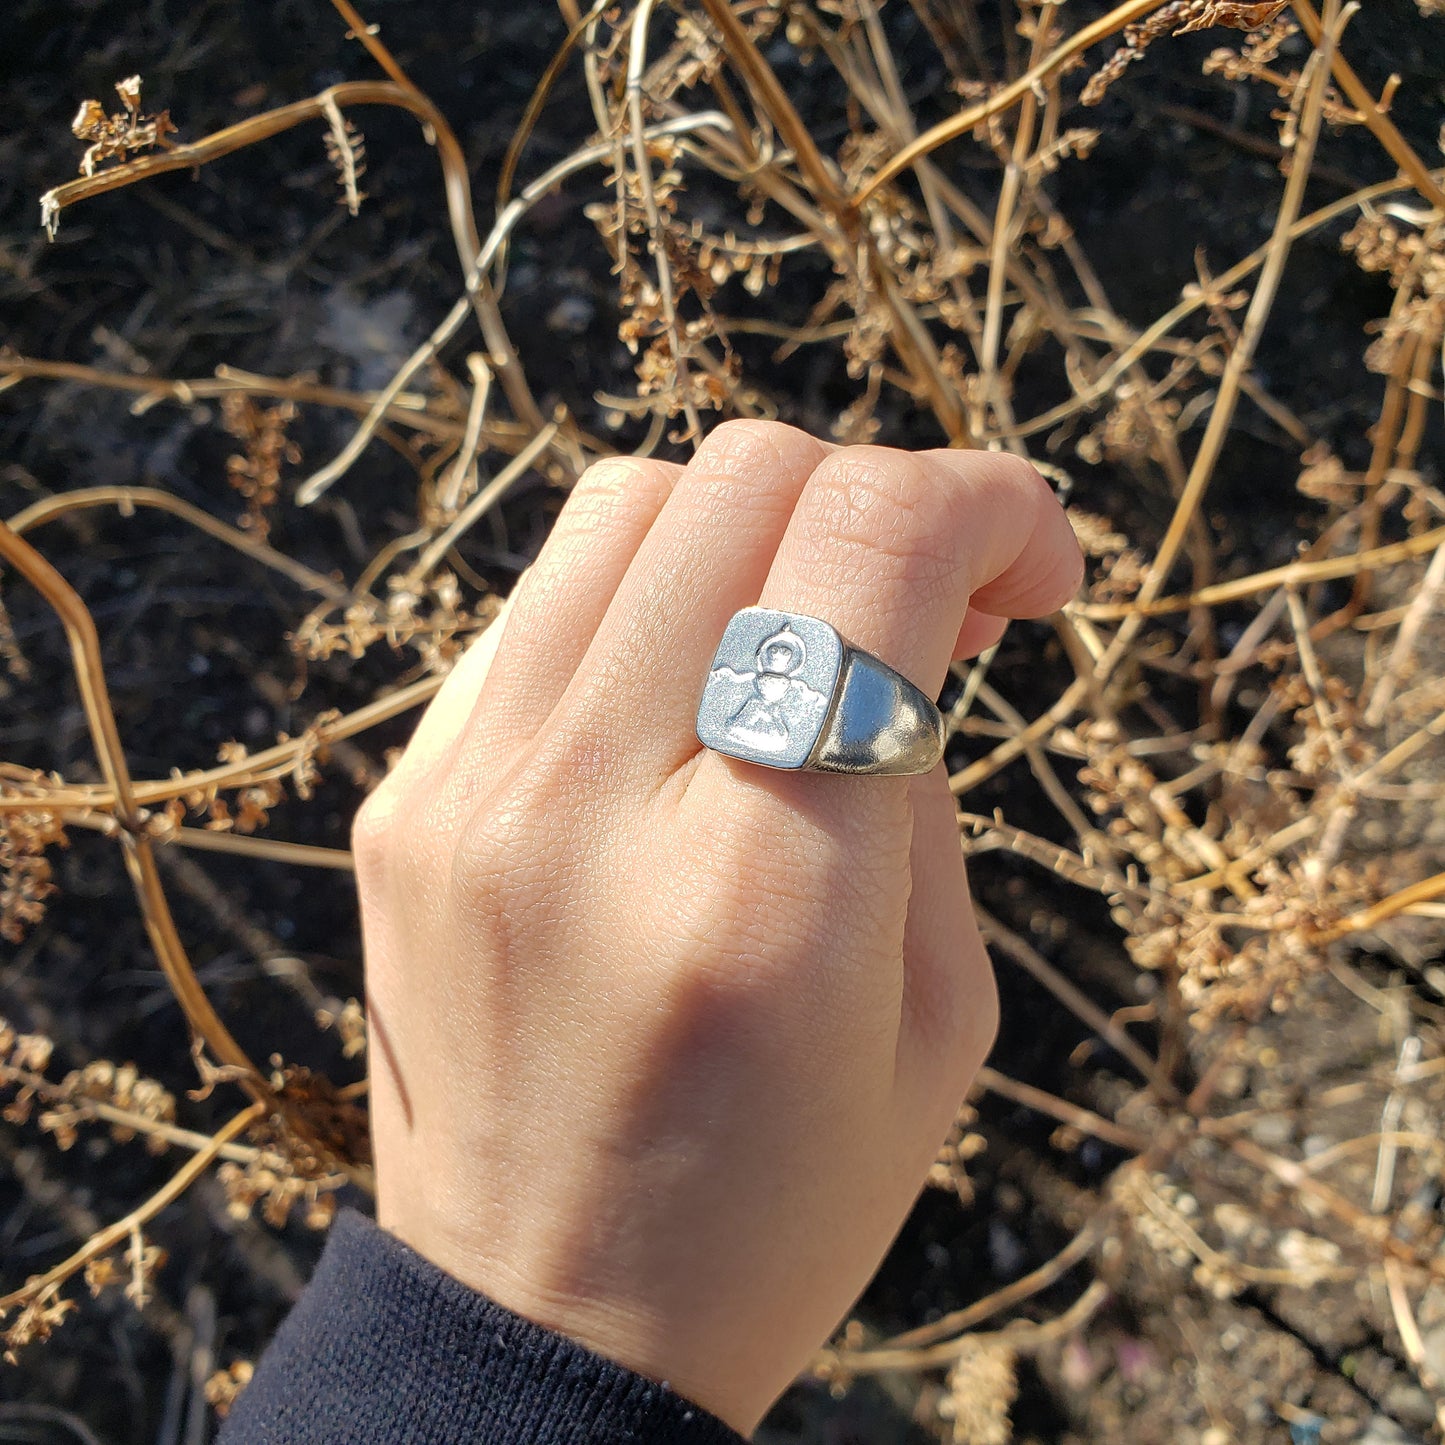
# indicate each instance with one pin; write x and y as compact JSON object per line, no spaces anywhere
{"x":786,"y":691}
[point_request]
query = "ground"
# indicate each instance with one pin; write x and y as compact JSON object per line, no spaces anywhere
{"x":250,"y":263}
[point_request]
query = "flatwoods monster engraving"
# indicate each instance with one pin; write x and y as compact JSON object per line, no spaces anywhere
{"x":770,"y":706}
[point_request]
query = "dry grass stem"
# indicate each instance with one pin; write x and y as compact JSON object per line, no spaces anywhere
{"x":1202,"y":803}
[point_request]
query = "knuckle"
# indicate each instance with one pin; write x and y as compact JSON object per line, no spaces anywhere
{"x":607,"y":473}
{"x":1014,"y":494}
{"x":398,"y":836}
{"x":877,"y":476}
{"x":614,"y":481}
{"x":986,"y":1016}
{"x":497,"y":835}
{"x":746,"y":455}
{"x":885,"y":503}
{"x":416,"y":833}
{"x":580,"y":766}
{"x":509,"y":870}
{"x":1035,"y":574}
{"x":745,"y":441}
{"x":1017,"y":472}
{"x":515,"y":829}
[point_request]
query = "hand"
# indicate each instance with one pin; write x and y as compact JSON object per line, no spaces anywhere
{"x":663,"y":1044}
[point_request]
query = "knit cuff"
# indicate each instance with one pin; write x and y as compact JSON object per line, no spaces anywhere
{"x":385,"y":1348}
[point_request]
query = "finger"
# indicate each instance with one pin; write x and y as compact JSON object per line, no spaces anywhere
{"x":447,"y":712}
{"x":950,"y":1004}
{"x":635,"y":696}
{"x":890,"y":546}
{"x":546,"y":623}
{"x":566,"y":593}
{"x":980,"y":631}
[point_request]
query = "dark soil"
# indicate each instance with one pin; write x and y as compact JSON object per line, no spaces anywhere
{"x":250,"y":263}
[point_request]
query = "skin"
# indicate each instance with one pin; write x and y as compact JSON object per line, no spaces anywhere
{"x":664,"y":1043}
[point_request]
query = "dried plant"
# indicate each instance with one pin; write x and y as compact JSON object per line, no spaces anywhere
{"x":256,"y":473}
{"x":1179,"y":17}
{"x":122,"y":133}
{"x":1243,"y":768}
{"x":224,"y":1388}
{"x":346,"y":150}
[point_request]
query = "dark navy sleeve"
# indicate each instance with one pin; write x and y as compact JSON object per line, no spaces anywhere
{"x":385,"y":1348}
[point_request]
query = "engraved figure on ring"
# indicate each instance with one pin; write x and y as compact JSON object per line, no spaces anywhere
{"x":777,"y":703}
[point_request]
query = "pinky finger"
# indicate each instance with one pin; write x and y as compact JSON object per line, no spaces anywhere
{"x":980,"y":631}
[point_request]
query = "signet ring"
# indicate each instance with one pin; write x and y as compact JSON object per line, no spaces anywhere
{"x":786,"y":691}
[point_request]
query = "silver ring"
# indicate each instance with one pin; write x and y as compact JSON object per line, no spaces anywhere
{"x":787,"y":691}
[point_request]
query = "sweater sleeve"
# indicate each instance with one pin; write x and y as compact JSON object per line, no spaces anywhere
{"x":385,"y":1348}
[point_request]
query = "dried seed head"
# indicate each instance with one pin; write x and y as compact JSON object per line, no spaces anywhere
{"x":88,"y":120}
{"x":115,"y":137}
{"x":225,"y":1386}
{"x":129,"y":92}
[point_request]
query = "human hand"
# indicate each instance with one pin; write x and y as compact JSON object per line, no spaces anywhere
{"x":663,"y":1043}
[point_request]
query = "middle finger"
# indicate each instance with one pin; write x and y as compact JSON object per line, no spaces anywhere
{"x":634,"y":697}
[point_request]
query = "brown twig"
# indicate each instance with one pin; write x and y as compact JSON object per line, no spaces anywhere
{"x":116,"y":1234}
{"x":950,"y":1327}
{"x":1084,"y":1120}
{"x":1006,"y":97}
{"x":1292,"y":574}
{"x":105,"y":737}
{"x":1380,"y":125}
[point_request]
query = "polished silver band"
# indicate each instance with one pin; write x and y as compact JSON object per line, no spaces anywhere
{"x":786,"y":691}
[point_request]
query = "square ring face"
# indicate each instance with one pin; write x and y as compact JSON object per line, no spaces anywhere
{"x":770,"y":687}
